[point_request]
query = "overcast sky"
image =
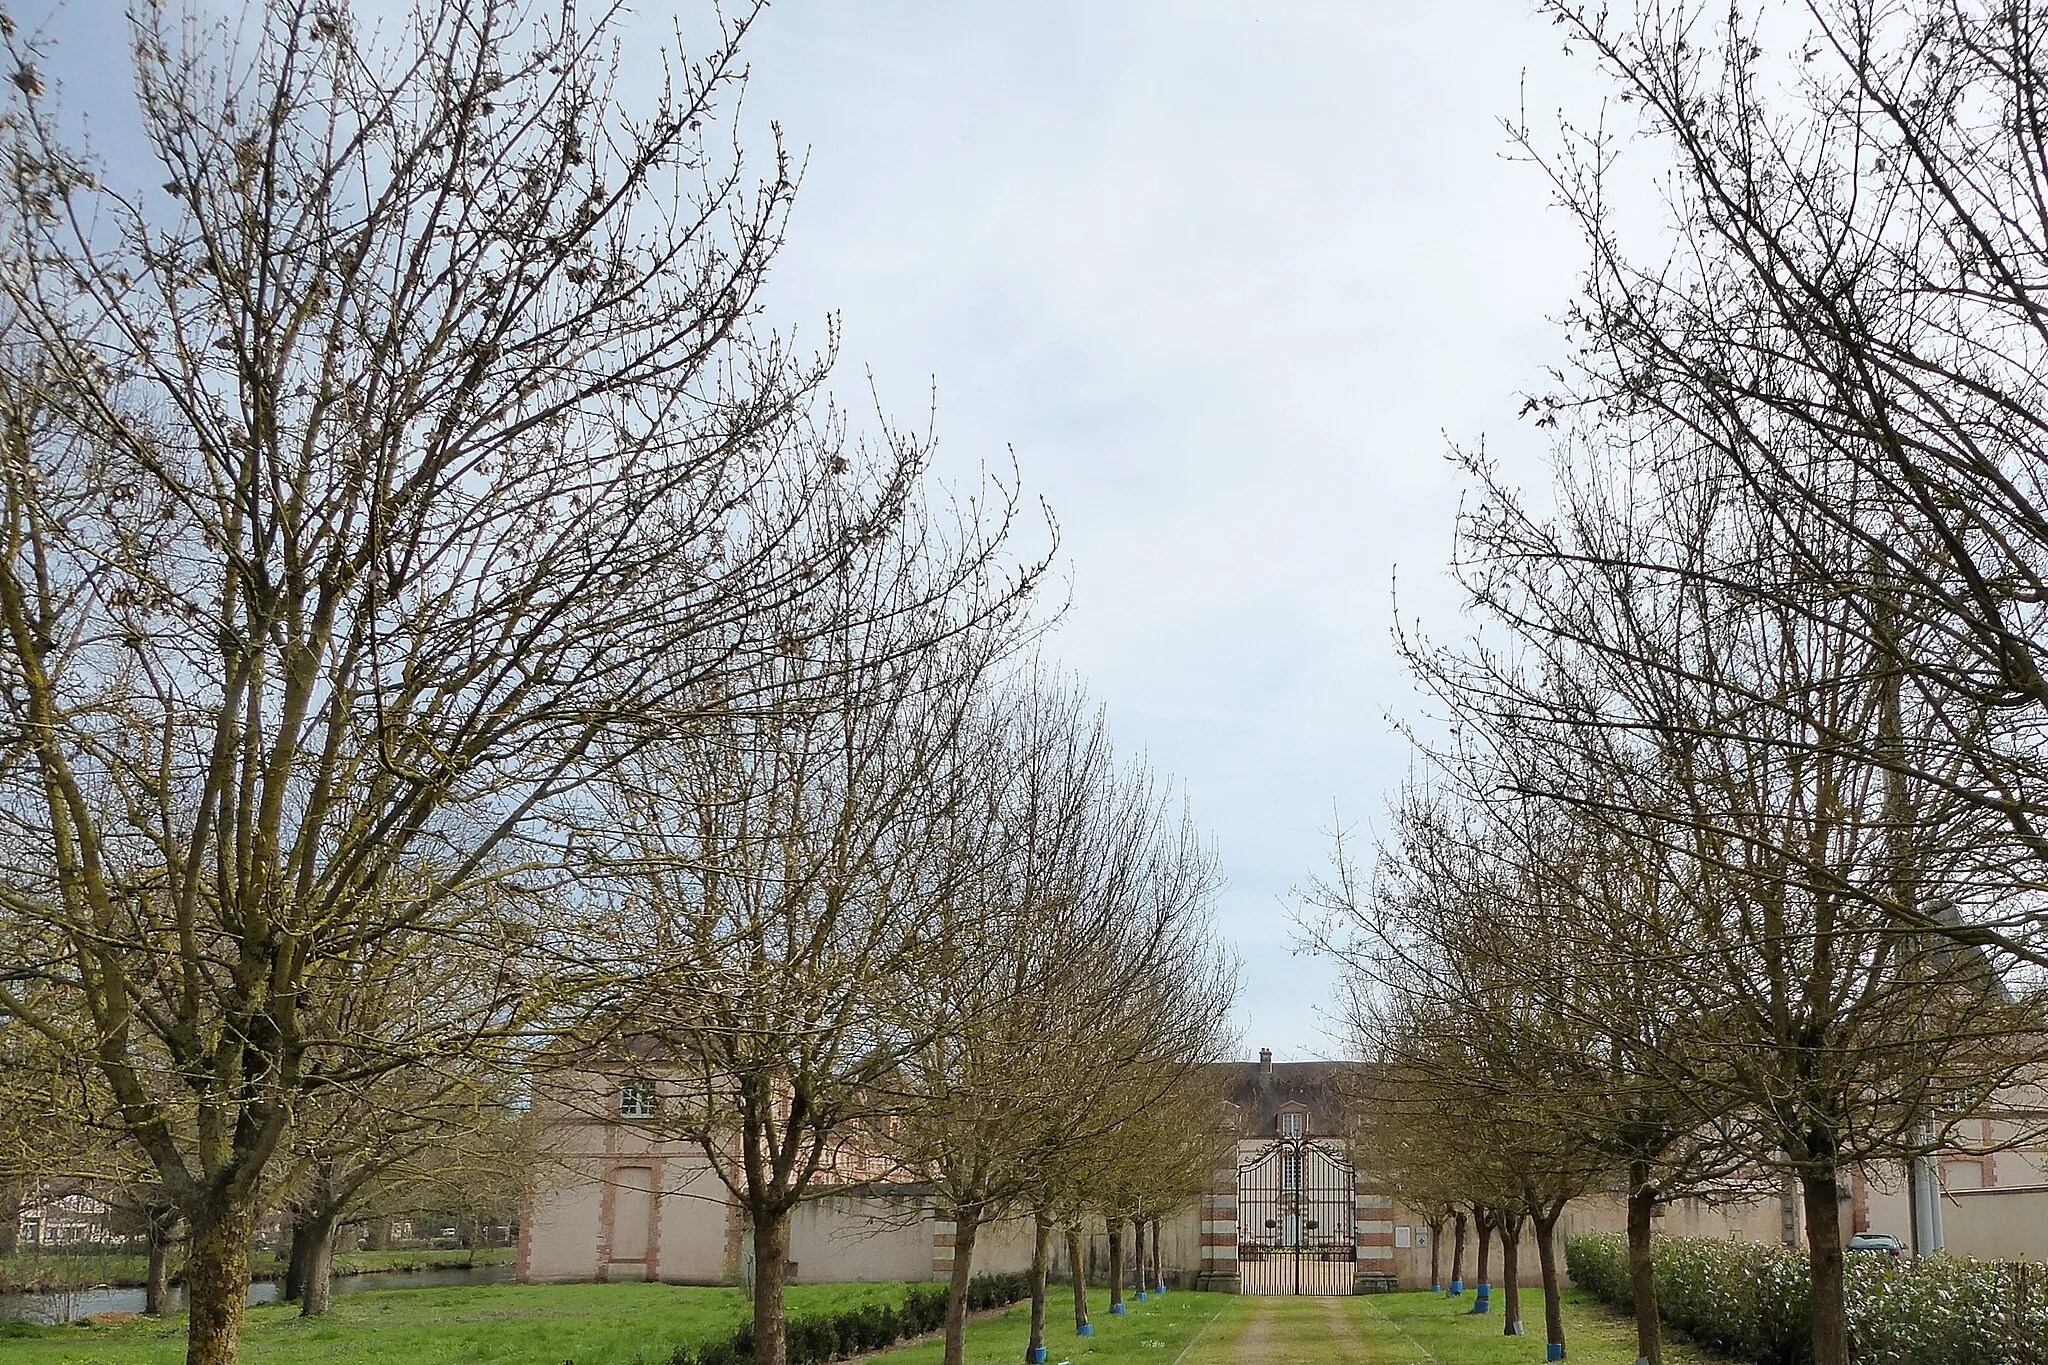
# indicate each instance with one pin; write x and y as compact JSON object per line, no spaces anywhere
{"x":1226,"y":278}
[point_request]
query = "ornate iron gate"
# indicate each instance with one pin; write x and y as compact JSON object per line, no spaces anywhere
{"x":1296,"y":1205}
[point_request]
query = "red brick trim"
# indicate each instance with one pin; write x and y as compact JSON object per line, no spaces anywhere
{"x":657,"y":1175}
{"x":735,"y":1233}
{"x":607,"y":1208}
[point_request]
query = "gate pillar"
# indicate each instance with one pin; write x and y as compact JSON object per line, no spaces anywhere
{"x":1219,"y":1233}
{"x":1375,"y":1223}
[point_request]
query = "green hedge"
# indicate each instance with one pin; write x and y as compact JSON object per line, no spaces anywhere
{"x":820,"y":1337}
{"x":1752,"y":1301}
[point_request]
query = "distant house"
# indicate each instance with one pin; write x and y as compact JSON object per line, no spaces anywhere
{"x":67,"y":1220}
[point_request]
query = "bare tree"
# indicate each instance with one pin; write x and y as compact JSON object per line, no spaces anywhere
{"x":1087,"y":990}
{"x":416,"y":435}
{"x":787,"y":873}
{"x":1678,"y":682}
{"x":1843,"y":297}
{"x":403,"y":1136}
{"x":1471,"y":965}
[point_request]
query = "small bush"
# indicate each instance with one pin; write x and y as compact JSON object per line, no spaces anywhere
{"x":924,"y":1309}
{"x":1754,"y":1302}
{"x":816,"y":1338}
{"x":996,"y":1291}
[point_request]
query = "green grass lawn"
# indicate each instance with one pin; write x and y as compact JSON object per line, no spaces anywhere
{"x":591,"y":1324}
{"x":1226,"y":1329}
{"x":369,"y":1262}
{"x":640,"y":1324}
{"x":1152,"y":1333}
{"x":1402,"y":1329}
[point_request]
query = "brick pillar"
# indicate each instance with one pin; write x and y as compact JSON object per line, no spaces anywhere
{"x":1219,"y":1233}
{"x":1373,"y":1220}
{"x":943,"y":1232}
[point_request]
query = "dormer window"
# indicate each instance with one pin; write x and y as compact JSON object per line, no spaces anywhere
{"x":636,"y":1099}
{"x":1292,"y":1123}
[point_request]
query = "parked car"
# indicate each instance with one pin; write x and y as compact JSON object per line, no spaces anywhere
{"x":1883,"y":1243}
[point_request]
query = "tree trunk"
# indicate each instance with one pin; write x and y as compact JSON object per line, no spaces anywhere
{"x":1482,"y":1230}
{"x":1116,"y":1266}
{"x":318,"y":1270}
{"x":966,"y":1229}
{"x":156,"y":1289}
{"x":10,"y":1218}
{"x":1041,"y":1261}
{"x":1642,"y":1278}
{"x":1138,"y":1256}
{"x":1511,"y":1276}
{"x":1082,"y":1327}
{"x":1824,"y":1258}
{"x":295,"y":1260}
{"x":217,"y":1280}
{"x":1436,"y":1256}
{"x":771,"y":1264}
{"x":1158,"y":1259}
{"x":1458,"y":1254}
{"x":1553,"y":1293}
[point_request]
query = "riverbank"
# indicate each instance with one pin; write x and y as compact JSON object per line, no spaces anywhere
{"x":55,"y":1274}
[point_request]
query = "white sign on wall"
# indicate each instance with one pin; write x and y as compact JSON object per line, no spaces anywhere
{"x":1401,"y":1235}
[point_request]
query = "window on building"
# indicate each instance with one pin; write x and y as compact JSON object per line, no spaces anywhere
{"x":636,"y":1099}
{"x":1290,"y":1172}
{"x":1291,"y":1125}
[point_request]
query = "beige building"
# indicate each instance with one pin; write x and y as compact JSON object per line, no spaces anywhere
{"x":614,"y":1200}
{"x":1993,"y":1204}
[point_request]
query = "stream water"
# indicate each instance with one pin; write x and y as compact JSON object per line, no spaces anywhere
{"x":67,"y":1306}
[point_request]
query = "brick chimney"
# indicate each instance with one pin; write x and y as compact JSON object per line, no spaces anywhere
{"x":1266,"y":1063}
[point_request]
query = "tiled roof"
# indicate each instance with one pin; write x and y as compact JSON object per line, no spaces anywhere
{"x":1258,"y":1090}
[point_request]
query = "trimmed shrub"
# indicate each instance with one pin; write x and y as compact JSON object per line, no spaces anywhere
{"x":995,"y":1291}
{"x":816,"y":1338}
{"x":1753,"y":1302}
{"x":924,"y":1309}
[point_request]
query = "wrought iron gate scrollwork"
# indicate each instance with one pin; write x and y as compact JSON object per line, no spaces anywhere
{"x":1296,"y":1212}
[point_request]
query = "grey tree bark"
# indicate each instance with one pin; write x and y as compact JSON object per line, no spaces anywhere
{"x":1642,"y":1276}
{"x":1041,"y":1261}
{"x":1080,"y":1269}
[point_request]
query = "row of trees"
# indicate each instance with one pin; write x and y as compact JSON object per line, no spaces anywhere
{"x":1724,"y":862}
{"x":440,"y":618}
{"x":913,"y":924}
